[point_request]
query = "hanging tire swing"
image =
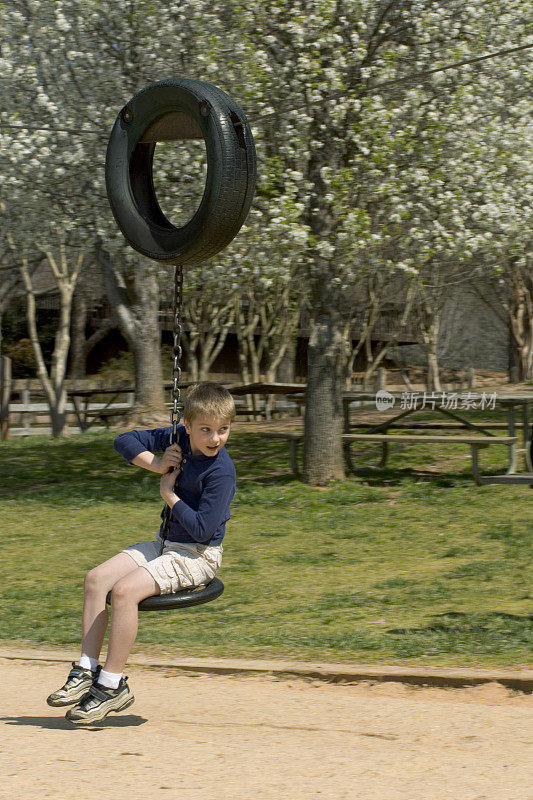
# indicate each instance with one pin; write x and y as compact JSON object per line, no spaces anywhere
{"x":184,"y":599}
{"x":179,"y":109}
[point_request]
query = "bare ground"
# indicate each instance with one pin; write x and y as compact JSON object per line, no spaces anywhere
{"x":241,"y":738}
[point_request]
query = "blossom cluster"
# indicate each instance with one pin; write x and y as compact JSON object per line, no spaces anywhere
{"x":362,"y":170}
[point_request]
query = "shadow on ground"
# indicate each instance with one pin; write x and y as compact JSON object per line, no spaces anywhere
{"x":60,"y":723}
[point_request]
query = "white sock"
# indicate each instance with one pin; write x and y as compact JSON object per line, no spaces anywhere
{"x":109,"y":679}
{"x":88,"y":663}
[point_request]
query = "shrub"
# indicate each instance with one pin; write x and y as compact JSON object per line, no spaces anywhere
{"x":22,"y":359}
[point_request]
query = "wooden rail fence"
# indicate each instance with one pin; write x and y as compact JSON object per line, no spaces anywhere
{"x":93,"y":403}
{"x":24,"y":410}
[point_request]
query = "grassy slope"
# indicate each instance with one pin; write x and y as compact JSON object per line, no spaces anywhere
{"x":400,"y":567}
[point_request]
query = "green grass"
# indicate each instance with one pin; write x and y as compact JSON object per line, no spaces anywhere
{"x":412,"y":564}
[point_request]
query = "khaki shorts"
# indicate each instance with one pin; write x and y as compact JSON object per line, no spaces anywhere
{"x":175,"y":566}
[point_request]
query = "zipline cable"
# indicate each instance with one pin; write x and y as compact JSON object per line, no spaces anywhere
{"x":334,"y":96}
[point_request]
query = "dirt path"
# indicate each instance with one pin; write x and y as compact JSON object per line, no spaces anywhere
{"x":224,"y":738}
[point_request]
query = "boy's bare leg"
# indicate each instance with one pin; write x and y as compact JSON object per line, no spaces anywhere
{"x":126,"y":596}
{"x":98,"y":582}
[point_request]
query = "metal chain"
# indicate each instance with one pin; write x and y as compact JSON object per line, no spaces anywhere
{"x":176,"y":408}
{"x":175,"y":392}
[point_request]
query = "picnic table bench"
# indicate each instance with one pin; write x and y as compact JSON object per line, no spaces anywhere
{"x":474,"y":434}
{"x":87,"y":412}
{"x":295,"y":440}
{"x":264,"y":389}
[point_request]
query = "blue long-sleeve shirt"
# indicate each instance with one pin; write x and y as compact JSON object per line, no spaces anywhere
{"x":205,"y":486}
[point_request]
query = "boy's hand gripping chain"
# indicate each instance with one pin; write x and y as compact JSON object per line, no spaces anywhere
{"x":175,"y":392}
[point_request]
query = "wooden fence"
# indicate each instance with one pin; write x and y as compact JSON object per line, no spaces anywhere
{"x":94,"y":404}
{"x":25,"y":412}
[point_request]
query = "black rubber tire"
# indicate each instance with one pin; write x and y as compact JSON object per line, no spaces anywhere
{"x":185,"y":599}
{"x":181,"y":109}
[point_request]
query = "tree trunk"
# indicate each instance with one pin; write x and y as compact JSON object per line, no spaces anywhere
{"x":265,"y":329}
{"x":137,"y":311}
{"x":149,"y":391}
{"x":207,"y":317}
{"x":5,"y":396}
{"x":430,"y":328}
{"x":520,"y":310}
{"x":282,"y":324}
{"x":513,"y":359}
{"x":213,"y":342}
{"x":189,"y":348}
{"x":245,"y":321}
{"x":323,"y":411}
{"x":374,"y":365}
{"x":6,"y":289}
{"x":430,"y":338}
{"x":286,"y":368}
{"x":516,"y":299}
{"x":77,"y":336}
{"x":433,"y":376}
{"x":54,"y":382}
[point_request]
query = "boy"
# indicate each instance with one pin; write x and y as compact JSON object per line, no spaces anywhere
{"x":189,"y":556}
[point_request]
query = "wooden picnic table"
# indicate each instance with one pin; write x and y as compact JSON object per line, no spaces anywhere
{"x":86,"y":414}
{"x":475,"y":435}
{"x":408,"y":404}
{"x":260,"y":387}
{"x":265,"y":389}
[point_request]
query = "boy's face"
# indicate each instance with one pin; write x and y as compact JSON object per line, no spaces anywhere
{"x":207,"y":434}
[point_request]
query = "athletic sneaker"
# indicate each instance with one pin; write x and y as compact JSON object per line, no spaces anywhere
{"x":99,"y":701}
{"x":78,"y":683}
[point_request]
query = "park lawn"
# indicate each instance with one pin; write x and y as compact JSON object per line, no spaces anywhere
{"x":413,"y":564}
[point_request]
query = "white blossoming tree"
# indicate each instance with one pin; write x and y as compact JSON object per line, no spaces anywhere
{"x":66,"y":68}
{"x":69,"y":66}
{"x":36,"y":228}
{"x":371,"y":163}
{"x":371,"y":194}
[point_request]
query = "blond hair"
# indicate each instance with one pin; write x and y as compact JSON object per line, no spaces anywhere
{"x":209,"y":399}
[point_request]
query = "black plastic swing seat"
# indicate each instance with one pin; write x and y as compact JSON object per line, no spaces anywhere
{"x":185,"y":599}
